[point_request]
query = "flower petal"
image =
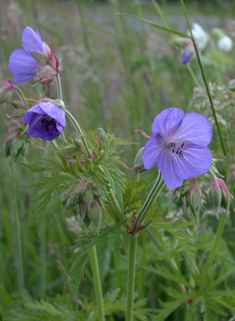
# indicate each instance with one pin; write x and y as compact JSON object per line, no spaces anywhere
{"x":195,"y":129}
{"x":31,"y":112}
{"x":32,"y":41}
{"x":166,"y":166}
{"x":168,"y":121}
{"x":187,"y":55}
{"x":23,"y":63}
{"x":194,"y":162}
{"x":54,"y":112}
{"x":152,"y":150}
{"x":22,"y":78}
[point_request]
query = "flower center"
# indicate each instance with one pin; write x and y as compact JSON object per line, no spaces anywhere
{"x":175,"y":148}
{"x":49,"y":123}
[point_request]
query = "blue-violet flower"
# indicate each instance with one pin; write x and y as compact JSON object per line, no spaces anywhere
{"x":179,"y":146}
{"x":26,"y":63}
{"x":46,"y":120}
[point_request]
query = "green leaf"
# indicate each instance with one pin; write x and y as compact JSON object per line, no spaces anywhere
{"x":156,"y":25}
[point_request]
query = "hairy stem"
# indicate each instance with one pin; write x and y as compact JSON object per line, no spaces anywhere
{"x":131,"y":277}
{"x":97,"y":283}
{"x":150,"y":200}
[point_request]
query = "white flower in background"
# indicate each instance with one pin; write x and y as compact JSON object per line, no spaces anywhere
{"x":200,"y":35}
{"x":225,"y":43}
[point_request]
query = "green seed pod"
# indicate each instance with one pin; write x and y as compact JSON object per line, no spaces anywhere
{"x":215,"y":197}
{"x":88,"y":196}
{"x":95,"y":214}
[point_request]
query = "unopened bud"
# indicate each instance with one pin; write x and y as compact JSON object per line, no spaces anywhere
{"x":88,"y":196}
{"x":215,"y":197}
{"x":231,"y":85}
{"x":194,"y":198}
{"x":6,"y":89}
{"x":95,"y":213}
{"x":217,"y":32}
{"x":138,"y":162}
{"x":47,"y":75}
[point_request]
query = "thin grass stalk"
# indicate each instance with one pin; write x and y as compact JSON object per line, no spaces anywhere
{"x":131,"y":277}
{"x":204,"y":79}
{"x":17,"y":235}
{"x":97,"y":283}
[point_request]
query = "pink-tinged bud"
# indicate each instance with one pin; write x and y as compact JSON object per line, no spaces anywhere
{"x":6,"y":89}
{"x":95,"y":213}
{"x":194,"y":198}
{"x":214,"y":195}
{"x":231,"y":85}
{"x":47,"y":75}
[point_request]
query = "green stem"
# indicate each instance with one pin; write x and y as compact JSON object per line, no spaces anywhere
{"x":150,"y":200}
{"x":97,"y":283}
{"x":59,"y":88}
{"x":20,"y":94}
{"x":131,"y":277}
{"x":79,"y":131}
{"x":204,"y":79}
{"x":17,"y":236}
{"x":117,"y":207}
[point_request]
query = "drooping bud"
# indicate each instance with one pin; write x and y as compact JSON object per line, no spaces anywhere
{"x":95,"y":213}
{"x":47,"y":75}
{"x":138,"y":162}
{"x":6,"y":89}
{"x":215,"y":195}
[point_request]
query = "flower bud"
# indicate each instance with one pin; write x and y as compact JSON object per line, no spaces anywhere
{"x":194,"y":198}
{"x":215,"y":197}
{"x":88,"y":196}
{"x":138,"y":162}
{"x":231,"y":85}
{"x":6,"y":89}
{"x":95,"y":213}
{"x":225,"y":44}
{"x":47,"y":75}
{"x":218,"y":33}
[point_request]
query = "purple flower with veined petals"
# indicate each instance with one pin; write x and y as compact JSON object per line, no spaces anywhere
{"x":179,"y":146}
{"x":26,"y":63}
{"x":46,"y":121}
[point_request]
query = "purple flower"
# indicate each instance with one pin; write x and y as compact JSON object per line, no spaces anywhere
{"x":187,"y":55}
{"x":46,"y":120}
{"x":26,"y":63}
{"x":179,"y":146}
